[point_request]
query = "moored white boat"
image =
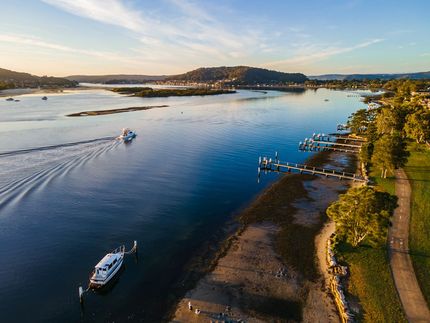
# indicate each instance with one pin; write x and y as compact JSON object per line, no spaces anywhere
{"x":106,"y":269}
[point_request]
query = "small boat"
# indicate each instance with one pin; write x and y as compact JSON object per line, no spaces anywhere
{"x":326,"y":100}
{"x":341,"y":127}
{"x":45,"y":98}
{"x":16,"y":100}
{"x":106,"y":269}
{"x":127,"y":135}
{"x":9,"y":99}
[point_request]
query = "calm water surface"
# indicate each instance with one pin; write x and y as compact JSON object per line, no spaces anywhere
{"x":69,"y":193}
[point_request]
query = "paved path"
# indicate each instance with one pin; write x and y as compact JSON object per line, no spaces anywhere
{"x":412,"y":299}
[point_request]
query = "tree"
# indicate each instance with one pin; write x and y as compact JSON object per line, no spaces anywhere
{"x":389,"y":153}
{"x":362,"y":213}
{"x":387,"y":121}
{"x":417,"y":125}
{"x":366,"y":152}
{"x":358,"y":121}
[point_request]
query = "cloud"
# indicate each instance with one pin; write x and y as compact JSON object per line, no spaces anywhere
{"x":191,"y":30}
{"x":309,"y":54}
{"x":113,"y":12}
{"x":32,"y":41}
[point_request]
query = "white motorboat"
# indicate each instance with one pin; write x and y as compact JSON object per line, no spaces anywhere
{"x":106,"y":269}
{"x":127,"y":135}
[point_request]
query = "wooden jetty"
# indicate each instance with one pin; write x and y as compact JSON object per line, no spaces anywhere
{"x":349,"y":138}
{"x":313,"y":147}
{"x":332,"y":143}
{"x":323,"y":142}
{"x":316,"y":145}
{"x":336,"y":137}
{"x":267,"y":164}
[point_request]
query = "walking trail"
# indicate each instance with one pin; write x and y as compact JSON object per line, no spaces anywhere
{"x":412,"y":299}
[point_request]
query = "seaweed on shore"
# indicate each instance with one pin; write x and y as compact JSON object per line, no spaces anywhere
{"x":294,"y":242}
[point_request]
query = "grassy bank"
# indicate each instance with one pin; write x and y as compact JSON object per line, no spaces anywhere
{"x":418,"y":171}
{"x":386,"y":184}
{"x":371,"y":281}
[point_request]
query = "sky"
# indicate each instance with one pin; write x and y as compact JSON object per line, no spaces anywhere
{"x":65,"y":37}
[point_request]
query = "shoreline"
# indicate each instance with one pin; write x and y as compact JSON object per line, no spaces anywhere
{"x":247,"y":275}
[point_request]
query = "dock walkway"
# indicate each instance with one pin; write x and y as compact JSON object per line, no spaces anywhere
{"x":266,"y":164}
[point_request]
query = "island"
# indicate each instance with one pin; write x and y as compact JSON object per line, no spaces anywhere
{"x":154,"y":93}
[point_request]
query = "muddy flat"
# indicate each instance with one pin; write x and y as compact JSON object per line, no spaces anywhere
{"x":113,"y":111}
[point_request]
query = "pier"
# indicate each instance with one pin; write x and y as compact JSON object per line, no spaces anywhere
{"x":267,"y":164}
{"x":313,"y":147}
{"x":347,"y":138}
{"x":323,"y":142}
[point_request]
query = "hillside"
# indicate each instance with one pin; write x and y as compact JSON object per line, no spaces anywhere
{"x":12,"y":79}
{"x":116,"y":78}
{"x":349,"y":77}
{"x":238,"y":75}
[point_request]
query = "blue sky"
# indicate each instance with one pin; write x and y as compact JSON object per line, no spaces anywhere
{"x":63,"y":37}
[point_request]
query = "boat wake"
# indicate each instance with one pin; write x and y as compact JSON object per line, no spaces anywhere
{"x":70,"y":144}
{"x":24,"y":171}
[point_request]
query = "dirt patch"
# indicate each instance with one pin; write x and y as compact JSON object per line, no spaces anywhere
{"x":253,"y":284}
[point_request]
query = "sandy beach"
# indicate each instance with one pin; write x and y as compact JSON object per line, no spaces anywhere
{"x":254,"y":281}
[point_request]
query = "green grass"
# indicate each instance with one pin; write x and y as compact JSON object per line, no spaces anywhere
{"x":371,"y":282}
{"x":418,"y":171}
{"x":386,"y":184}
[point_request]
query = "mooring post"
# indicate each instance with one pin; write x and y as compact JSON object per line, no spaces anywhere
{"x":81,"y":294}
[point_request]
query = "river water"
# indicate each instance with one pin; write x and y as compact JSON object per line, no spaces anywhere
{"x":69,"y":192}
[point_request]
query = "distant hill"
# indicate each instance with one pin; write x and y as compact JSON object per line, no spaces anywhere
{"x":238,"y":75}
{"x":115,"y":78}
{"x":349,"y":77}
{"x":12,"y":79}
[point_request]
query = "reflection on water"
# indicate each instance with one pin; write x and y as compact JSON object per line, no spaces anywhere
{"x":192,"y":166}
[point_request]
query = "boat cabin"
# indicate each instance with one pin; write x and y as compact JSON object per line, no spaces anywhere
{"x":107,"y":264}
{"x":106,"y":268}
